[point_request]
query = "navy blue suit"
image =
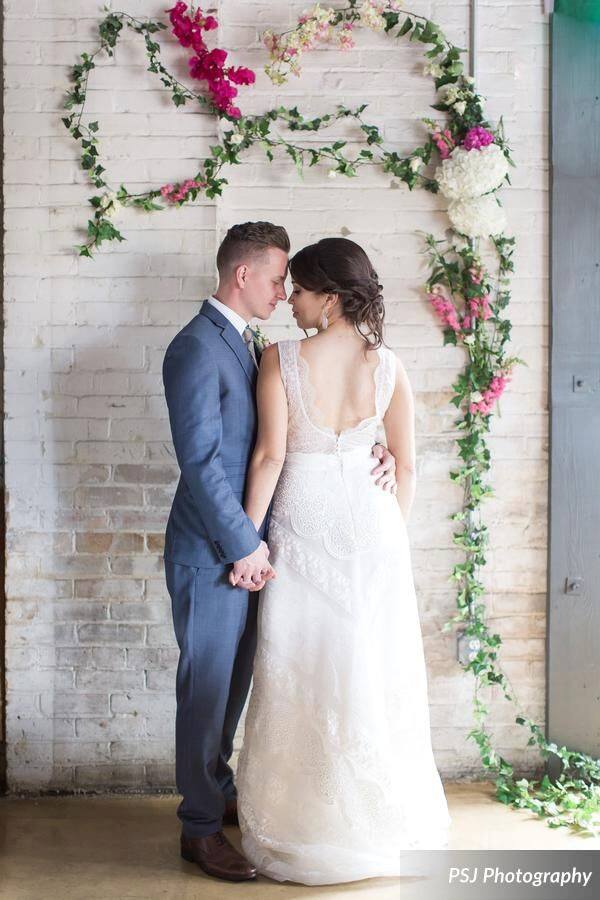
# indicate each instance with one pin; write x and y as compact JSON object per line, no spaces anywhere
{"x":210,"y":380}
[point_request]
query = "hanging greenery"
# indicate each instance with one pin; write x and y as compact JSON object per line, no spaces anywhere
{"x":472,"y":161}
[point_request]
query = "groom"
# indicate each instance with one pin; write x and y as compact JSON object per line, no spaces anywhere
{"x":209,"y":373}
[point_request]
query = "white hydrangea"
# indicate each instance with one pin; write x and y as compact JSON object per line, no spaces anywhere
{"x":477,"y":217}
{"x":471,"y":173}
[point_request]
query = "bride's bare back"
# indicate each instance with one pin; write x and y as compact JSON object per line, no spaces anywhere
{"x":339,"y":377}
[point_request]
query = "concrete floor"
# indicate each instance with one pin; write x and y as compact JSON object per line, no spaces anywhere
{"x":100,"y":848}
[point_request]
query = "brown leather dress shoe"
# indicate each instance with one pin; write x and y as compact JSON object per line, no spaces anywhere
{"x":230,"y":816}
{"x":216,"y":856}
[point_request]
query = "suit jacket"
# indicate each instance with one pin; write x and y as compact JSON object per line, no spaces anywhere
{"x":210,"y":382}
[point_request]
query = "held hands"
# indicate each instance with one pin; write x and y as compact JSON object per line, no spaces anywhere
{"x":386,"y":468}
{"x":253,"y":571}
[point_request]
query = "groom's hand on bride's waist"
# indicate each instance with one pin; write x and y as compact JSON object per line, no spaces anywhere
{"x":386,"y":470}
{"x":253,"y":571}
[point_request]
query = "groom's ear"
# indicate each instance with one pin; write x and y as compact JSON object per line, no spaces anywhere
{"x":240,"y":275}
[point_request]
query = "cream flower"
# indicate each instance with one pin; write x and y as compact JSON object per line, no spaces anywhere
{"x":109,"y":203}
{"x":433,"y":69}
{"x":452,"y":94}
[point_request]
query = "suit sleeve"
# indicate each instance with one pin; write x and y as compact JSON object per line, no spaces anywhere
{"x":191,"y":382}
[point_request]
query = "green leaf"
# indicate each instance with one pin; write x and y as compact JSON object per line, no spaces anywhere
{"x":449,"y":336}
{"x":391,"y":19}
{"x":407,"y":25}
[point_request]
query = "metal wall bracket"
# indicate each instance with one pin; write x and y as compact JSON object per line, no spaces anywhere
{"x":582,"y":385}
{"x":573,"y":585}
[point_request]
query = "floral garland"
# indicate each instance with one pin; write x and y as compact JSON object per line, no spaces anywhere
{"x":469,"y":302}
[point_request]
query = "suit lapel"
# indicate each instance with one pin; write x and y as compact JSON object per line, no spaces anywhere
{"x":232,"y":338}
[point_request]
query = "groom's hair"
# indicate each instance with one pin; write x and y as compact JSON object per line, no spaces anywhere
{"x":249,"y":241}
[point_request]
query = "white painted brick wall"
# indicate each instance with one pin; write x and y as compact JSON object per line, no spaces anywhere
{"x":91,"y":654}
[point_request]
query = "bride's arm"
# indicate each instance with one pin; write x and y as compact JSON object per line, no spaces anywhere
{"x":399,"y":424}
{"x":269,"y":451}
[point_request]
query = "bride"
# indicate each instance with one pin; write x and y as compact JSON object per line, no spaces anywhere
{"x":336,"y":775}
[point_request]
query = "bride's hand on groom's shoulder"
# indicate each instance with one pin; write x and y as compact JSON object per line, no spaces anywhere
{"x":252,"y":572}
{"x":385,"y":472}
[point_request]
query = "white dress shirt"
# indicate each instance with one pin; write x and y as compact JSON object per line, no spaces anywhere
{"x":236,"y":320}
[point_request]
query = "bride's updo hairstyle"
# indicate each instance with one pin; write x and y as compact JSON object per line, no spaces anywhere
{"x":340,"y":266}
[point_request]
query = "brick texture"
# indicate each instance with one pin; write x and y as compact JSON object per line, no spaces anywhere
{"x":91,"y":654}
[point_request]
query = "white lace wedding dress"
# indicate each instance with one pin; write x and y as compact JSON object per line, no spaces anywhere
{"x":336,"y":775}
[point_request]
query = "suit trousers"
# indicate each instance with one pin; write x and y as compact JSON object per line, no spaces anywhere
{"x":215,"y":626}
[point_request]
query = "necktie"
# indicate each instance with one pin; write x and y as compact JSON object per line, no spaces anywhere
{"x":249,"y":341}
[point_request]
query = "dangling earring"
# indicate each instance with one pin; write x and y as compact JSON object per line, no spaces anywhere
{"x":324,"y":320}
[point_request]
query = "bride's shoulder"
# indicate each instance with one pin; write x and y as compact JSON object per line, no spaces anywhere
{"x":388,"y":355}
{"x":285,"y":345}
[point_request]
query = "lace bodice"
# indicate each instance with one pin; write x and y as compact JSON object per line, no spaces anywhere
{"x":304,"y":435}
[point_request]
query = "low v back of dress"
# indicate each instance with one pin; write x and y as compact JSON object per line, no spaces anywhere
{"x":336,"y":774}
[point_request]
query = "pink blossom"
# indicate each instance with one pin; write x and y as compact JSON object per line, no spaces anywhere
{"x":241,"y":75}
{"x":445,"y":309}
{"x":477,"y":137}
{"x":476,"y":274}
{"x":444,"y":142}
{"x":173,"y":195}
{"x":491,"y":394}
{"x":480,"y":307}
{"x":208,"y":65}
{"x":345,"y":39}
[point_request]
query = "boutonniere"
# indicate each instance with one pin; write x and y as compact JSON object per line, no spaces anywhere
{"x":260,"y":339}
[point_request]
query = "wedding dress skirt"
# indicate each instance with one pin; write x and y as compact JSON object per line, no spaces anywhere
{"x":336,"y":776}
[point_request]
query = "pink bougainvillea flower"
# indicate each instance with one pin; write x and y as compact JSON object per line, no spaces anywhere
{"x":209,"y":65}
{"x":477,"y":137}
{"x":242,"y":75}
